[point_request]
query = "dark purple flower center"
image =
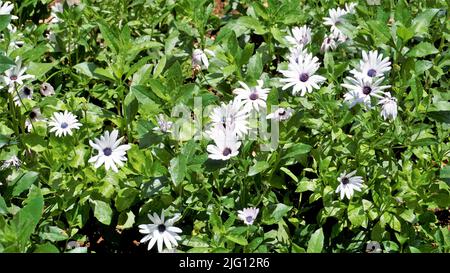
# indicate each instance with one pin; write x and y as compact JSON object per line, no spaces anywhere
{"x":371,"y":73}
{"x":13,"y":77}
{"x":27,"y":91}
{"x":282,"y":113}
{"x":254,"y":96}
{"x":249,"y":219}
{"x":32,"y":115}
{"x":345,"y":180}
{"x":304,"y":77}
{"x":367,"y":90}
{"x":161,"y":228}
{"x":328,"y":40}
{"x":107,"y":151}
{"x":64,"y":125}
{"x":226,"y":151}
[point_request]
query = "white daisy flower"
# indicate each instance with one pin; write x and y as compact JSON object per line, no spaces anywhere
{"x":16,"y":74}
{"x":164,"y":125}
{"x":231,"y":115}
{"x":226,"y":143}
{"x":46,"y":89}
{"x":281,"y":114}
{"x":295,"y":52}
{"x":63,"y":123}
{"x":299,"y":36}
{"x":252,"y":97}
{"x":14,"y":43}
{"x":14,"y":161}
{"x":110,"y":152}
{"x":248,"y":215}
{"x":373,"y":247}
{"x":160,"y":232}
{"x":389,"y":106}
{"x":329,"y":43}
{"x":34,"y":116}
{"x":348,"y":184}
{"x":300,"y":75}
{"x":372,"y":65}
{"x":24,"y":93}
{"x":6,"y":8}
{"x":366,"y":88}
{"x":334,"y":20}
{"x":199,"y":58}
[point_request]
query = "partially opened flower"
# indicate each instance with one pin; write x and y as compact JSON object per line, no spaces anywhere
{"x":388,"y":106}
{"x":56,"y":9}
{"x":281,"y":114}
{"x":350,"y":7}
{"x":160,"y":232}
{"x":352,"y":97}
{"x":329,"y":43}
{"x":334,"y":20}
{"x":200,"y":59}
{"x":34,"y":116}
{"x":13,"y":161}
{"x":248,"y":215}
{"x":252,"y":97}
{"x":372,"y":65}
{"x":348,"y":183}
{"x":63,"y":123}
{"x":24,"y":93}
{"x":231,"y":115}
{"x":164,"y":125}
{"x":46,"y":89}
{"x":110,"y":152}
{"x":301,"y":75}
{"x":300,"y":36}
{"x":226,"y":143}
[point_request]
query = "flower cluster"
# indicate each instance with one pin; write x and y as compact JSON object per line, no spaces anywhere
{"x":335,"y":19}
{"x":366,"y":83}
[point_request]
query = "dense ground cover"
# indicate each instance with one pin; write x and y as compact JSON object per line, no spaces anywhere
{"x":224,"y":126}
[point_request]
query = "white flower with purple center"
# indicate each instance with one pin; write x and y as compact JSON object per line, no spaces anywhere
{"x":388,"y":106}
{"x":248,"y":215}
{"x":299,"y":36}
{"x":329,"y":43}
{"x":300,"y":74}
{"x":252,"y":97}
{"x":348,"y":183}
{"x":63,"y":123}
{"x":24,"y":93}
{"x":34,"y":116}
{"x":160,"y":232}
{"x":281,"y":114}
{"x":231,"y":115}
{"x":200,"y":59}
{"x":16,"y":75}
{"x":110,"y":152}
{"x":164,"y":125}
{"x":372,"y":65}
{"x":334,"y":20}
{"x":366,"y":88}
{"x":226,"y":143}
{"x":13,"y":161}
{"x":46,"y":89}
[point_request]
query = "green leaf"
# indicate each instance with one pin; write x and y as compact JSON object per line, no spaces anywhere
{"x":126,"y":220}
{"x":237,"y":239}
{"x":421,"y":50}
{"x":3,"y":207}
{"x":26,"y":220}
{"x":24,"y":182}
{"x":315,"y":243}
{"x":288,"y":172}
{"x":125,"y":198}
{"x":159,"y":67}
{"x":252,"y":23}
{"x":39,"y":69}
{"x":110,"y":37}
{"x":297,"y":149}
{"x":54,"y":234}
{"x":422,"y":21}
{"x":102,"y":211}
{"x":306,"y":185}
{"x":177,"y":169}
{"x":35,"y":142}
{"x":255,"y":66}
{"x":258,"y":167}
{"x":280,"y":211}
{"x":93,"y":72}
{"x":5,"y":19}
{"x":5,"y":62}
{"x":46,"y":248}
{"x":131,"y":107}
